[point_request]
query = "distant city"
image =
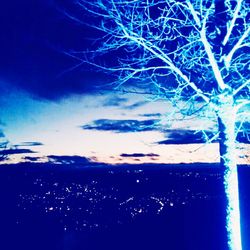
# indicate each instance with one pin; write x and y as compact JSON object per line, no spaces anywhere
{"x":97,"y":203}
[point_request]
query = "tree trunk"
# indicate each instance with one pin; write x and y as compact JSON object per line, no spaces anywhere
{"x":226,"y":126}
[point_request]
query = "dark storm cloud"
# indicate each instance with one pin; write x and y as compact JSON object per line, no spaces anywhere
{"x":65,"y":159}
{"x":139,"y":155}
{"x":122,"y":126}
{"x":35,"y":35}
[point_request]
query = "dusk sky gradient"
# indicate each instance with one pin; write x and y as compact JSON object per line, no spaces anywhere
{"x":51,"y":108}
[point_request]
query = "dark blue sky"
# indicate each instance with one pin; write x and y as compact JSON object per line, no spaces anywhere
{"x":35,"y":35}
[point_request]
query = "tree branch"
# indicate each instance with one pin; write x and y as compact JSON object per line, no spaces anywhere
{"x":232,"y":23}
{"x":236,"y":91}
{"x":211,"y":57}
{"x":228,"y":58}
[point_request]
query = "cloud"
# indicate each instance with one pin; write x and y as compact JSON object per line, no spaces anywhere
{"x":6,"y":150}
{"x":2,"y":134}
{"x":151,"y":115}
{"x":122,"y":126}
{"x":135,"y":105}
{"x":32,"y":159}
{"x":192,"y":136}
{"x":139,"y":155}
{"x":243,"y":137}
{"x":65,"y":159}
{"x":115,"y":101}
{"x":186,"y":137}
{"x":16,"y":151}
{"x":30,"y":144}
{"x":3,"y":155}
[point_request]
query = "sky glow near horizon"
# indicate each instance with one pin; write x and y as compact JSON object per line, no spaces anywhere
{"x":57,"y":126}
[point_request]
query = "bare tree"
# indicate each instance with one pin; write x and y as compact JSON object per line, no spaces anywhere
{"x":194,"y":52}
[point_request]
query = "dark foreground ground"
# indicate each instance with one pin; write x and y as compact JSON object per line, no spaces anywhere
{"x":77,"y":207}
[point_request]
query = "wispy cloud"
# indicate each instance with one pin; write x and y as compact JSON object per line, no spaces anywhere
{"x":32,"y":159}
{"x":30,"y":144}
{"x":3,"y":155}
{"x":115,"y":101}
{"x":122,"y":126}
{"x":1,"y":134}
{"x":192,"y":136}
{"x":151,"y":115}
{"x":16,"y":151}
{"x":139,"y":155}
{"x":65,"y":159}
{"x":187,"y":137}
{"x":135,"y":105}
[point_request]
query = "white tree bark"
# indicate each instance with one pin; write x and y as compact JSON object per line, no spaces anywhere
{"x":226,"y":126}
